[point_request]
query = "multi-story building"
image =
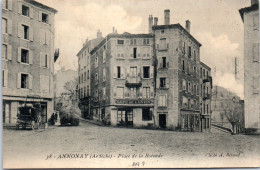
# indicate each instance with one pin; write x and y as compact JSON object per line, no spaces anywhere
{"x":84,"y":78}
{"x":149,"y":79}
{"x":250,"y":17}
{"x":27,"y":56}
{"x":205,"y":96}
{"x":122,"y":86}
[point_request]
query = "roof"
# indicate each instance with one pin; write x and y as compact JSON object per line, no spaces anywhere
{"x":177,"y":26}
{"x":204,"y":65}
{"x":93,"y":43}
{"x":33,"y":2}
{"x":248,"y":9}
{"x":115,"y":35}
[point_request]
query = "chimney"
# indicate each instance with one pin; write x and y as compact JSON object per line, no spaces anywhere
{"x":150,"y":21}
{"x":254,"y":2}
{"x":155,"y":20}
{"x":188,"y":25}
{"x":99,"y":34}
{"x":167,"y":17}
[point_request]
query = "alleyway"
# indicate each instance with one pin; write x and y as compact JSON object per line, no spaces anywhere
{"x":21,"y":146}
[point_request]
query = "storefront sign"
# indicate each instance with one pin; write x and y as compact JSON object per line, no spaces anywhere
{"x":125,"y":101}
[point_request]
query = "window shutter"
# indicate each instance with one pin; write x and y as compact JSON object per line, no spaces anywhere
{"x":256,"y":84}
{"x":122,"y":72}
{"x":31,"y":12}
{"x":30,"y":57}
{"x":42,"y":37}
{"x":158,"y":82}
{"x":127,"y":71}
{"x":31,"y":33}
{"x":167,"y":64}
{"x":126,"y":93}
{"x":9,"y":26}
{"x":140,"y":92}
{"x":160,"y":62}
{"x":167,"y":82}
{"x":152,"y":91}
{"x":151,"y":71}
{"x":19,"y":55}
{"x":141,"y":72}
{"x":138,"y":71}
{"x":256,"y":52}
{"x":30,"y":81}
{"x":5,"y":78}
{"x":40,"y":16}
{"x":9,"y":52}
{"x":41,"y":59}
{"x":115,"y":90}
{"x":10,"y":5}
{"x":19,"y":80}
{"x":19,"y":7}
{"x":48,"y":38}
{"x":115,"y":72}
{"x":20,"y":31}
{"x":48,"y":61}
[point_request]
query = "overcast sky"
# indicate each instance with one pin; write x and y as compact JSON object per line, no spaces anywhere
{"x":216,"y":24}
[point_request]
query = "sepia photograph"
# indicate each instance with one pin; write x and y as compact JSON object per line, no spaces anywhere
{"x":130,"y":84}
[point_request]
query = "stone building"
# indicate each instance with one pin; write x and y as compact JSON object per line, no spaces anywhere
{"x":28,"y":56}
{"x":205,"y":96}
{"x":84,"y":66}
{"x":149,"y":79}
{"x":250,"y":17}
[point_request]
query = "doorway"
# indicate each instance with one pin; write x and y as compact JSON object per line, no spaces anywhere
{"x":162,"y":120}
{"x":125,"y":117}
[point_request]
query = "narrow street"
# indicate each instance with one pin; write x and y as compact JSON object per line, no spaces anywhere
{"x":21,"y":146}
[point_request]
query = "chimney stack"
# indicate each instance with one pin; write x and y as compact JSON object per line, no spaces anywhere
{"x":150,"y":20}
{"x":188,"y":25}
{"x":254,"y":2}
{"x":155,"y":20}
{"x":167,"y":17}
{"x":99,"y":34}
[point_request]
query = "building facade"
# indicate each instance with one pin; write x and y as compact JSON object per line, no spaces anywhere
{"x":27,"y":57}
{"x":250,"y":17}
{"x":84,"y":77}
{"x":150,"y":80}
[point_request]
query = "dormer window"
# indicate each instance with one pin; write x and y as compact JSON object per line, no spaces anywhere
{"x":25,"y":10}
{"x":44,"y":18}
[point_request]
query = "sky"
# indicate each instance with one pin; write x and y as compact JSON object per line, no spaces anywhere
{"x":216,"y":24}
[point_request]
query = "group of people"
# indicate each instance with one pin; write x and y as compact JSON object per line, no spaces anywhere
{"x":53,"y":119}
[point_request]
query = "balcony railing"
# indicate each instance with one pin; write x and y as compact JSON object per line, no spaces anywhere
{"x":206,"y":96}
{"x":133,"y":81}
{"x":207,"y":79}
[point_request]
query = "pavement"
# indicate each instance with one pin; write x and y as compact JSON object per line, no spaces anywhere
{"x":110,"y":147}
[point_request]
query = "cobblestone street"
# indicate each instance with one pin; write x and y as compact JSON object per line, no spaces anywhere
{"x":161,"y":148}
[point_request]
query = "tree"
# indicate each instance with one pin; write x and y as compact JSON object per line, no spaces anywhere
{"x":234,"y":112}
{"x":71,"y":86}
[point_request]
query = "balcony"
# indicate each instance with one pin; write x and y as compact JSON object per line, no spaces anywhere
{"x":206,"y":96}
{"x":133,"y":82}
{"x":207,"y":79}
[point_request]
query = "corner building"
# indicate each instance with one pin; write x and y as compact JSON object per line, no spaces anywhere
{"x":122,"y":79}
{"x":28,"y":57}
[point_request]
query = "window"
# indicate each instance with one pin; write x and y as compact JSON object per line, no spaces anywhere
{"x":45,"y":64}
{"x":87,"y":90}
{"x":146,"y":72}
{"x":133,"y":93}
{"x":194,"y":53}
{"x":88,"y":74}
{"x":183,"y":65}
{"x":133,"y":72}
{"x":189,"y":103}
{"x":24,"y":56}
{"x":183,"y":47}
{"x":25,"y":10}
{"x":146,"y":114}
{"x":96,"y":61}
{"x":104,"y":92}
{"x":4,"y":78}
{"x":121,"y":42}
{"x":146,"y":92}
{"x":25,"y":29}
{"x":5,"y":4}
{"x":146,"y":41}
{"x":183,"y":84}
{"x":189,"y":51}
{"x":162,"y":44}
{"x":85,"y":76}
{"x":189,"y":87}
{"x":120,"y":92}
{"x":44,"y":18}
{"x":163,"y":82}
{"x":133,"y":41}
{"x":207,"y":108}
{"x":4,"y":51}
{"x":96,"y":77}
{"x":118,"y":72}
{"x":104,"y":56}
{"x":203,"y":73}
{"x":195,"y":70}
{"x":24,"y":81}
{"x":195,"y":104}
{"x":84,"y":92}
{"x":164,"y":62}
{"x":162,"y":101}
{"x":4,"y":25}
{"x":135,"y":52}
{"x":194,"y":89}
